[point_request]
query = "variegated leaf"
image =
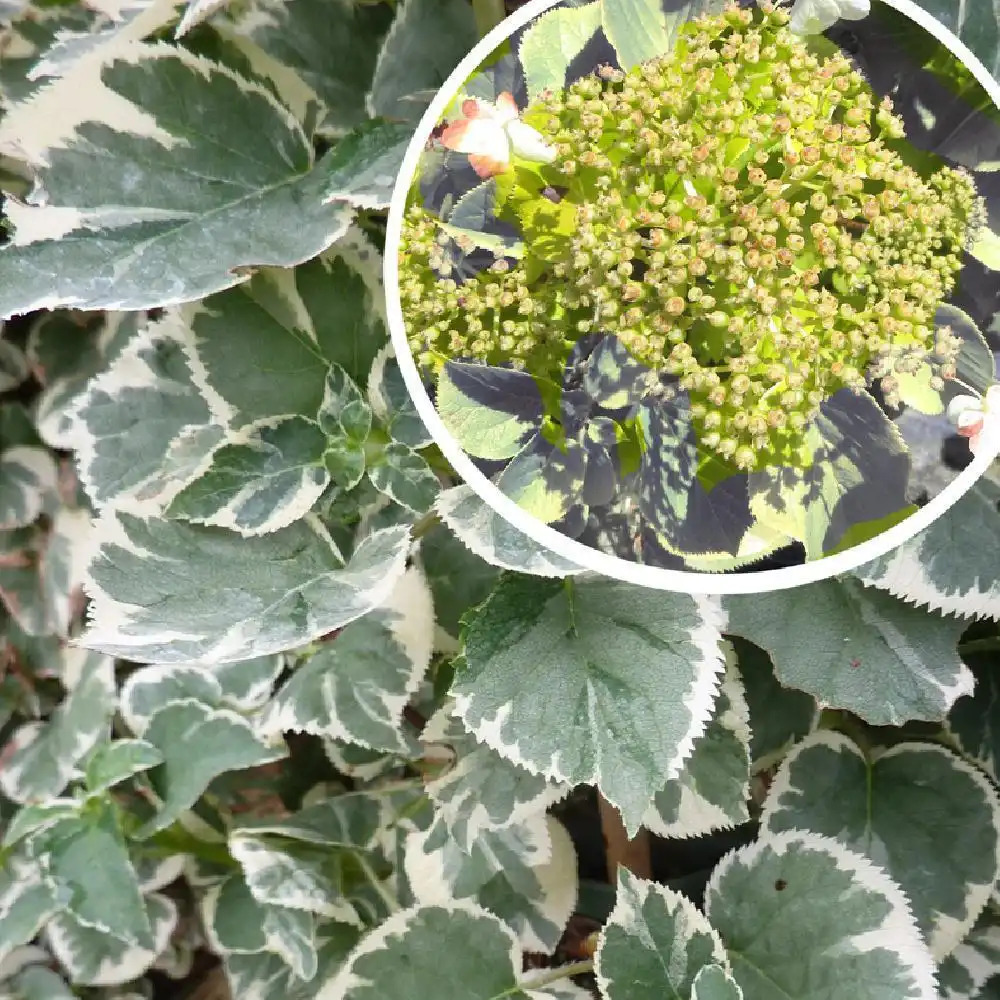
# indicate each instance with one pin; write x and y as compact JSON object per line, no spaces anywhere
{"x":975,"y":723}
{"x":112,"y":763}
{"x":711,"y":790}
{"x":28,"y":478}
{"x":714,"y":983}
{"x":534,"y":899}
{"x":41,"y":758}
{"x":494,"y":539}
{"x":553,"y":41}
{"x":592,"y":681}
{"x":356,"y":685}
{"x":801,"y":915}
{"x":856,"y":648}
{"x":27,"y":902}
{"x":877,"y":805}
{"x":976,"y":961}
{"x":649,"y":923}
{"x":150,"y":198}
{"x":215,"y":595}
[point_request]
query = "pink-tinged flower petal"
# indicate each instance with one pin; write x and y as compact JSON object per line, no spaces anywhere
{"x":471,"y":108}
{"x":527,"y":142}
{"x":481,"y":136}
{"x":970,"y":422}
{"x":506,"y":108}
{"x":486,"y":166}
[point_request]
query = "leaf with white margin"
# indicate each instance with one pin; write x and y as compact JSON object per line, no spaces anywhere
{"x":36,"y":982}
{"x":534,"y":900}
{"x":361,"y":169}
{"x":427,"y":41}
{"x":237,"y":923}
{"x":592,"y":681}
{"x":134,"y":414}
{"x":153,"y":874}
{"x":66,"y":352}
{"x":112,"y":763}
{"x":801,"y":916}
{"x":265,"y":976}
{"x":246,"y":685}
{"x":41,"y":758}
{"x":879,"y":806}
{"x":712,"y":789}
{"x":949,"y":567}
{"x":552,"y":41}
{"x":654,"y":943}
{"x":64,"y":566}
{"x":781,"y":716}
{"x":641,"y":29}
{"x":149,"y":689}
{"x":975,"y":722}
{"x":330,"y":45}
{"x":13,"y":365}
{"x":405,"y":477}
{"x":261,"y":478}
{"x":37,"y":816}
{"x":964,"y":973}
{"x":483,"y":955}
{"x":492,"y":538}
{"x":356,"y":685}
{"x":196,"y":12}
{"x":198,"y":743}
{"x":95,"y":959}
{"x":714,"y":983}
{"x":27,"y":901}
{"x":170,"y":592}
{"x":151,"y":199}
{"x":482,"y":791}
{"x":87,"y":855}
{"x":857,"y":648}
{"x":392,"y":403}
{"x":28,"y":478}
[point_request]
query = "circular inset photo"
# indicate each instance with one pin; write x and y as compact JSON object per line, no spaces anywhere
{"x":692,"y":301}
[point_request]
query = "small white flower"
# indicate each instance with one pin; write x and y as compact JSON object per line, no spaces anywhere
{"x":810,"y":17}
{"x":978,"y":419}
{"x":491,"y":133}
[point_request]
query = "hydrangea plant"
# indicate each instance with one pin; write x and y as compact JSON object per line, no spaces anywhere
{"x":721,"y":249}
{"x":287,"y":711}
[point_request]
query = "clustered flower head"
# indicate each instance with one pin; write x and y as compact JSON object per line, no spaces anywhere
{"x":739,"y":214}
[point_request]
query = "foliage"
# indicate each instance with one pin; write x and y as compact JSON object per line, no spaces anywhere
{"x":275,"y":687}
{"x":668,"y":300}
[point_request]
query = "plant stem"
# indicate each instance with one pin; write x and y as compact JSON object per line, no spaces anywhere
{"x":488,"y":14}
{"x":620,"y":850}
{"x":554,"y":975}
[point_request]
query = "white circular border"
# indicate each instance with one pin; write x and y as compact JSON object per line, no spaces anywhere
{"x":576,"y":552}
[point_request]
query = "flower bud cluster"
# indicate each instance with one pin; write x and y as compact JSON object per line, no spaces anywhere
{"x":741,"y":218}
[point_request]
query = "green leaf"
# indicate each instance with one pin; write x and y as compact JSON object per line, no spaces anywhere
{"x":93,"y":958}
{"x":149,"y":689}
{"x":482,"y":791}
{"x":427,"y":41}
{"x":974,"y":721}
{"x":27,"y":901}
{"x":654,"y":943}
{"x":949,"y":566}
{"x":553,"y":41}
{"x":803,"y":917}
{"x":904,"y":810}
{"x":39,"y":983}
{"x":42,"y":757}
{"x":261,"y":479}
{"x":712,"y":789}
{"x":13,"y":365}
{"x":87,"y":855}
{"x":491,"y":412}
{"x":714,"y":983}
{"x":406,"y":478}
{"x":331,"y":45}
{"x":978,"y":25}
{"x":781,"y":716}
{"x":361,"y":169}
{"x":151,"y":198}
{"x":215,"y":595}
{"x":483,"y":956}
{"x":138,"y":419}
{"x":591,"y":681}
{"x":915,"y":390}
{"x":112,"y":763}
{"x":356,"y":686}
{"x":640,"y":29}
{"x":858,"y":649}
{"x":246,"y":684}
{"x":533,"y":893}
{"x":238,"y":924}
{"x":393,"y":405}
{"x":27,"y":481}
{"x":198,"y":743}
{"x":975,"y":365}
